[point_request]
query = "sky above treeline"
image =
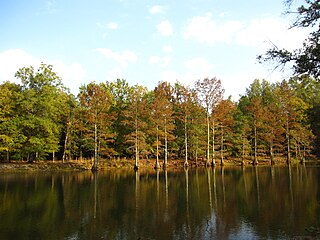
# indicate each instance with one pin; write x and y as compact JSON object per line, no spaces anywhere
{"x":146,"y":42}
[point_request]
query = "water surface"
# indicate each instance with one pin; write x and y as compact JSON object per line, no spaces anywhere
{"x":220,"y":203}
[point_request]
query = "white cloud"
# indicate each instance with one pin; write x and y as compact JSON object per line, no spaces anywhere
{"x":72,"y":74}
{"x":171,"y":76}
{"x":236,"y":83}
{"x":194,"y":69}
{"x":199,"y":66}
{"x":261,"y":32}
{"x":50,"y":7}
{"x":162,"y":61}
{"x":123,"y":57}
{"x":167,"y":49}
{"x":11,"y":60}
{"x":165,"y":28}
{"x":205,"y":30}
{"x":112,"y":25}
{"x":109,"y":25}
{"x":114,"y":73}
{"x":157,"y":9}
{"x":258,"y":33}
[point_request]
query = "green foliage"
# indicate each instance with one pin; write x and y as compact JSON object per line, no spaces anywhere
{"x":32,"y":112}
{"x":121,"y":92}
{"x":40,"y":117}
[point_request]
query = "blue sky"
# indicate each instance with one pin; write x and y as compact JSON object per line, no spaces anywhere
{"x":145,"y":41}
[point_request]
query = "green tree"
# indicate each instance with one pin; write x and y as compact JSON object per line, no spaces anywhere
{"x":10,"y":136}
{"x":294,"y":110}
{"x":70,"y":120}
{"x":121,"y":95}
{"x":308,"y":89}
{"x":256,"y":112}
{"x":40,"y":108}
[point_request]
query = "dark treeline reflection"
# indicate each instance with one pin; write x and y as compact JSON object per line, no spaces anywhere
{"x":219,"y":203}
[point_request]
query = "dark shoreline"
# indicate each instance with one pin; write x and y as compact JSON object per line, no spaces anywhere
{"x":129,"y":164}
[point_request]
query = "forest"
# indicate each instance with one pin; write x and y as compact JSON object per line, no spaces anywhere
{"x":41,"y":120}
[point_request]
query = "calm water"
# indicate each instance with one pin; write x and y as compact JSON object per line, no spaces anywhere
{"x":221,"y":203}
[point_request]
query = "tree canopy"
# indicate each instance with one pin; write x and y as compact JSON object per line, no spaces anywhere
{"x":306,"y":59}
{"x":40,"y":119}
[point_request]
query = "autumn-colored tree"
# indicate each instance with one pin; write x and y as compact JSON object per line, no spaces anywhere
{"x":162,"y":118}
{"x":95,"y":102}
{"x":183,"y":103}
{"x":271,"y":131}
{"x":224,"y":119}
{"x":256,"y":112}
{"x":210,"y":92}
{"x":135,"y":117}
{"x":241,"y":128}
{"x":294,"y":111}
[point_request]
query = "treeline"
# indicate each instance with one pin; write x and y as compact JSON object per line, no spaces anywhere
{"x":40,"y":119}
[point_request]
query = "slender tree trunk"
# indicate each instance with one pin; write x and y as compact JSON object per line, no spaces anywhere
{"x":255,"y":161}
{"x":95,"y":162}
{"x":288,"y":142}
{"x":208,"y":140}
{"x":213,"y":144}
{"x":65,"y":145}
{"x":8,"y":156}
{"x":157,"y":166}
{"x":197,"y":152}
{"x":136,"y":164}
{"x":53,"y":156}
{"x":186,"y":141}
{"x":222,"y":146}
{"x":303,"y":155}
{"x":243,"y":152}
{"x":271,"y":154}
{"x":165,"y":144}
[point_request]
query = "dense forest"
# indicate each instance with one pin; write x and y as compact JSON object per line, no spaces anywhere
{"x":41,"y":120}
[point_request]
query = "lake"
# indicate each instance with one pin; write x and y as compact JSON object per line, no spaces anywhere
{"x":219,"y":203}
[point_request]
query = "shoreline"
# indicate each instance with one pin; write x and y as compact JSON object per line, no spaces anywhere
{"x":76,"y":165}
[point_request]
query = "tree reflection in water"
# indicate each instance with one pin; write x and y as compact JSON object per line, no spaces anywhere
{"x":214,"y":203}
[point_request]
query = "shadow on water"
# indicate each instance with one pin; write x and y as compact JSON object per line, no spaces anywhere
{"x":212,"y":203}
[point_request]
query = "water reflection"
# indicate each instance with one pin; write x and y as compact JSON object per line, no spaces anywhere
{"x":214,"y":203}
